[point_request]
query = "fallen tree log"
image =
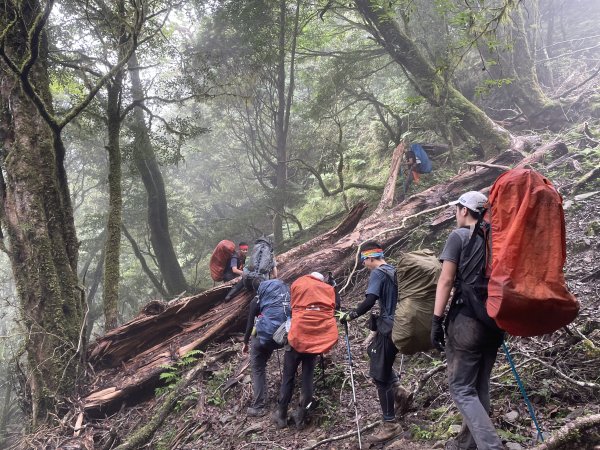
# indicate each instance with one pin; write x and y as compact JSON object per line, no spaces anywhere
{"x":581,"y":433}
{"x":129,"y":359}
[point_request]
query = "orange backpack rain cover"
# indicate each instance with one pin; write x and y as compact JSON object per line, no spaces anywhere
{"x":527,"y":293}
{"x":219,"y":258}
{"x":313,"y":328}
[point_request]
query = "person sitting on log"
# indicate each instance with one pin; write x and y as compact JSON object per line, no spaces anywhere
{"x":235,"y":265}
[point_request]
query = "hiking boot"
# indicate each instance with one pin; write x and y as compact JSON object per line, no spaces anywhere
{"x":279,"y":417}
{"x":255,"y":412}
{"x":299,"y":416}
{"x":387,"y":431}
{"x":402,"y":399}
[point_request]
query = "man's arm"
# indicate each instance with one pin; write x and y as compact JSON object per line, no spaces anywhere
{"x":366,"y":304}
{"x":254,"y":310}
{"x":442,"y":294}
{"x":444,"y":287}
{"x":233,"y":264}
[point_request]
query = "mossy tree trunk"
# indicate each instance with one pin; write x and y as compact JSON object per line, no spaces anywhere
{"x":112,"y":250}
{"x":427,"y":80}
{"x":517,"y":64}
{"x":37,"y":217}
{"x":147,"y":165}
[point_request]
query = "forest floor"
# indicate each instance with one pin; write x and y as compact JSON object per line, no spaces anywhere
{"x":554,"y":368}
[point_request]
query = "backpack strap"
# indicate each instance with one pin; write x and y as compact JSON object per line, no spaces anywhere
{"x":475,"y":232}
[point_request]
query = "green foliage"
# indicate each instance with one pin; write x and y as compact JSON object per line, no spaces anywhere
{"x":421,"y":433}
{"x":214,"y":384}
{"x":510,"y":436}
{"x":327,"y":413}
{"x":172,"y":372}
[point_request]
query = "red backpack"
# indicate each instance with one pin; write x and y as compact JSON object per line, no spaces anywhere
{"x":313,"y":328}
{"x":527,"y":293}
{"x":219,"y":259}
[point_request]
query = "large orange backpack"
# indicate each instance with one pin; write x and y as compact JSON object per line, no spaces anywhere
{"x":219,"y":258}
{"x":527,"y":293}
{"x":313,"y":328}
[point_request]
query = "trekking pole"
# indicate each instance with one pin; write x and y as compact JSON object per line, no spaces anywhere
{"x":522,"y":388}
{"x":352,"y":383}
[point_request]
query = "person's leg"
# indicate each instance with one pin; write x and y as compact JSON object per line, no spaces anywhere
{"x":465,"y":359}
{"x":385,"y":392}
{"x":259,"y":356}
{"x":290,"y":364}
{"x":382,"y":353}
{"x":229,"y":276}
{"x":235,"y":290}
{"x":309,"y":361}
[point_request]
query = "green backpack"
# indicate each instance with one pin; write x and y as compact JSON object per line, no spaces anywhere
{"x":418,"y":273}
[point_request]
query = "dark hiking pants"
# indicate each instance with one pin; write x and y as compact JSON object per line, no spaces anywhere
{"x":291,"y":361}
{"x":382,"y":354}
{"x":471,"y":350}
{"x":259,"y":357}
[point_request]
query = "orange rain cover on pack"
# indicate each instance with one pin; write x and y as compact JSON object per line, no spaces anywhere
{"x":527,"y":294}
{"x":219,"y":258}
{"x":313,"y":328}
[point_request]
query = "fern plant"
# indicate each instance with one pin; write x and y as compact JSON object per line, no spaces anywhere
{"x":172,"y":372}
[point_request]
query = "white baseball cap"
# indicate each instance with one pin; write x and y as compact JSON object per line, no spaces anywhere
{"x":473,"y":200}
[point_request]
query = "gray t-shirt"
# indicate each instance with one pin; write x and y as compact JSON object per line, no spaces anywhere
{"x":467,"y":267}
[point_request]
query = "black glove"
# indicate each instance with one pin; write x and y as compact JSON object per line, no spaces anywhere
{"x":347,"y":317}
{"x":437,"y":333}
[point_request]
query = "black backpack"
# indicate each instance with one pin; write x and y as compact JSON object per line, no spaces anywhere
{"x":262,"y":260}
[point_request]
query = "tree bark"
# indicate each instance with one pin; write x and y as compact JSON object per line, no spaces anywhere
{"x":427,"y":81}
{"x":282,"y":117}
{"x":112,"y":250}
{"x":147,"y":165}
{"x":37,"y":217}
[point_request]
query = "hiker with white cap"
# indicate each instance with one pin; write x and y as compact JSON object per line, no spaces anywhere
{"x":470,"y":345}
{"x":313,"y":331}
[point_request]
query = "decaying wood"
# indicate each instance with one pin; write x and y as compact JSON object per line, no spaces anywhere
{"x":590,"y":176}
{"x":142,"y":435}
{"x":128,"y":359}
{"x":573,"y":433}
{"x":474,"y":164}
{"x":387,"y":198}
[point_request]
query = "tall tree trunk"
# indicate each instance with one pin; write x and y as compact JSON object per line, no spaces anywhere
{"x":158,"y":220}
{"x":517,"y":63}
{"x":37,"y":216}
{"x":112,"y":252}
{"x":282,"y":118}
{"x":427,"y":80}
